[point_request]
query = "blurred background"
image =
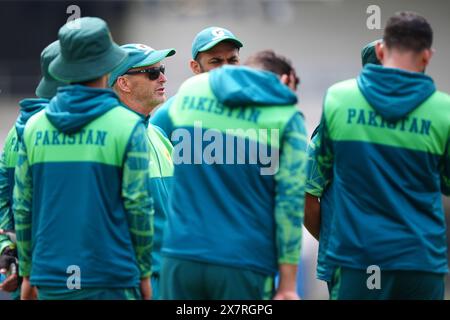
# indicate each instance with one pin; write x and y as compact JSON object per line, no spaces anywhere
{"x":323,"y":38}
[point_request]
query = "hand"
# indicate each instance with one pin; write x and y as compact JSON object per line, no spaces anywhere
{"x":286,"y":295}
{"x":146,"y":289}
{"x":10,"y":234}
{"x":288,"y":283}
{"x":10,"y":284}
{"x":27,"y":291}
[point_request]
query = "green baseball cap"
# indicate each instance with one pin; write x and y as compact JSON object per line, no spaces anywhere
{"x":139,"y":55}
{"x":209,"y":37}
{"x":368,"y":54}
{"x":87,"y":51}
{"x":48,"y":85}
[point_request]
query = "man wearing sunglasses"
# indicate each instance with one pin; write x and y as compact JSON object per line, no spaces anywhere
{"x":212,"y":48}
{"x":139,"y":82}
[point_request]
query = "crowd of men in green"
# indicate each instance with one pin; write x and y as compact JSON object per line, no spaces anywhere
{"x":105,"y":204}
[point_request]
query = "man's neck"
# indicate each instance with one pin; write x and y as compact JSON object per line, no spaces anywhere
{"x":404,"y":61}
{"x":100,"y":83}
{"x":136,"y":106}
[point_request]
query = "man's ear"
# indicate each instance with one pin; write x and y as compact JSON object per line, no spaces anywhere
{"x":379,"y":51}
{"x":195,"y":67}
{"x":285,"y":79}
{"x":426,"y":56}
{"x":123,"y":84}
{"x":289,"y":80}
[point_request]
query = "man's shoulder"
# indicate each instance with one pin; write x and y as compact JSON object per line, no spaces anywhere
{"x":443,"y":97}
{"x":195,"y":80}
{"x":345,"y":86}
{"x":124,"y":112}
{"x":36,"y":119}
{"x":194,"y":85}
{"x":342,"y":93}
{"x":12,"y":134}
{"x":119,"y":117}
{"x":164,"y":108}
{"x":437,"y":106}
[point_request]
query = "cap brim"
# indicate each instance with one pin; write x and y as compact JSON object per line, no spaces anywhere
{"x":155,"y":57}
{"x":47,"y":88}
{"x":89,"y":69}
{"x":211,"y":44}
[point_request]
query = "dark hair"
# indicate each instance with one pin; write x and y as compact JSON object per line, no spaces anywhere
{"x":408,"y":31}
{"x":270,"y":61}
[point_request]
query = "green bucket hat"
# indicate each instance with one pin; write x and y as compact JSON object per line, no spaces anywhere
{"x":48,"y":85}
{"x":139,"y":55}
{"x":209,"y":37}
{"x":368,"y":54}
{"x":87,"y":51}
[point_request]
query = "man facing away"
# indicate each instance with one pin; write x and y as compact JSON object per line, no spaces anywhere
{"x":237,"y":200}
{"x":82,"y":205}
{"x":319,"y":213}
{"x":8,"y":161}
{"x":383,"y":150}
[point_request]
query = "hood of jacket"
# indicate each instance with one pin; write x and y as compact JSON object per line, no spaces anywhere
{"x":394,"y":93}
{"x":243,"y":86}
{"x":28,"y":107}
{"x":75,"y":106}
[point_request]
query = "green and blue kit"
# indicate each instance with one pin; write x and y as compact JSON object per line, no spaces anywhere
{"x":8,"y":161}
{"x":384,"y":146}
{"x":223,"y":210}
{"x":161,"y":179}
{"x":82,"y":195}
{"x":316,"y":186}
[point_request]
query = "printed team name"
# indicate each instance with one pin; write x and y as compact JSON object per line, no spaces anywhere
{"x":234,"y":146}
{"x":85,"y":137}
{"x":209,"y":105}
{"x":371,"y":118}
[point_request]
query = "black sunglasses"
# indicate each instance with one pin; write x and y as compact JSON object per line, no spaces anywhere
{"x":152,"y":73}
